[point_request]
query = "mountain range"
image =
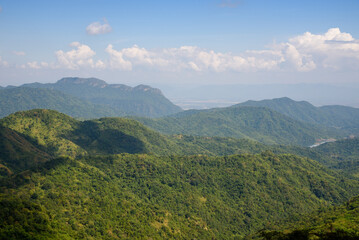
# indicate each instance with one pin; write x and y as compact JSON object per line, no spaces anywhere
{"x":258,"y":123}
{"x":342,"y":117}
{"x":114,"y":178}
{"x":276,"y":121}
{"x":240,"y":172}
{"x":141,"y":100}
{"x":23,"y":98}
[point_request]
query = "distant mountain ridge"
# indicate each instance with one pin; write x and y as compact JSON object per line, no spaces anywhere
{"x":141,"y":100}
{"x":346,"y":118}
{"x":16,"y":99}
{"x":258,"y":123}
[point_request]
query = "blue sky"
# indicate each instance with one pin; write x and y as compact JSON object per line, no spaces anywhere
{"x":189,"y":42}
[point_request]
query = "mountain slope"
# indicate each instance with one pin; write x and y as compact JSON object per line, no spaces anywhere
{"x":257,"y":123}
{"x":17,"y":153}
{"x":142,"y":196}
{"x":138,"y":101}
{"x":342,"y":155}
{"x":65,"y":136}
{"x":344,"y":117}
{"x":332,"y":223}
{"x":62,"y":135}
{"x":332,"y":116}
{"x":22,"y":98}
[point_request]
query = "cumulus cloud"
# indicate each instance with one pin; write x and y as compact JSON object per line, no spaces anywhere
{"x":97,"y":28}
{"x":19,"y":53}
{"x":189,"y":58}
{"x":80,"y":56}
{"x":303,"y":53}
{"x":332,"y":49}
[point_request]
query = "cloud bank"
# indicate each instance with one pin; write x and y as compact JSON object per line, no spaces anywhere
{"x":303,"y":53}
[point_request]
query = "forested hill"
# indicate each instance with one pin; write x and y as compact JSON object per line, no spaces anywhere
{"x":35,"y":131}
{"x":342,"y":117}
{"x":261,"y":124}
{"x":22,"y":98}
{"x":114,"y":178}
{"x":142,"y":100}
{"x":17,"y":153}
{"x":342,"y":154}
{"x":337,"y":223}
{"x":143,"y":196}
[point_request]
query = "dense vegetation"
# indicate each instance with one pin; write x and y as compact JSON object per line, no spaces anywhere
{"x":17,"y":153}
{"x":22,"y":98}
{"x":342,"y":155}
{"x":138,"y":101}
{"x":60,"y":135}
{"x":337,"y":223}
{"x":113,"y":178}
{"x":137,"y":196}
{"x":342,"y":117}
{"x":261,"y":124}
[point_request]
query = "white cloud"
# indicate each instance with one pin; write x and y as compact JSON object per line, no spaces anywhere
{"x":117,"y":60}
{"x":33,"y":65}
{"x":303,"y":53}
{"x":19,"y":53}
{"x":36,"y":65}
{"x":80,"y":56}
{"x":299,"y":61}
{"x":97,"y":28}
{"x":3,"y":63}
{"x":332,"y":49}
{"x":190,"y":58}
{"x":307,"y":52}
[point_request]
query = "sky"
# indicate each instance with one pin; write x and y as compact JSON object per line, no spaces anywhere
{"x":188,"y":42}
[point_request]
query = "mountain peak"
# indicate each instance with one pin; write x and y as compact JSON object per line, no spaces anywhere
{"x":94,"y":82}
{"x":146,"y":88}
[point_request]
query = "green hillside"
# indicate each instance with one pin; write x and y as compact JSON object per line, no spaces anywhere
{"x":337,"y":223}
{"x":141,"y":100}
{"x":342,"y":155}
{"x":261,"y":124}
{"x":113,"y":178}
{"x":62,"y":135}
{"x":46,"y":128}
{"x":22,"y":98}
{"x":17,"y":153}
{"x":144,"y":196}
{"x":342,"y":117}
{"x":345,"y":117}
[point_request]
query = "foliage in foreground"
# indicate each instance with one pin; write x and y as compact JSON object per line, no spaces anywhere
{"x":337,"y":223}
{"x":145,"y":196}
